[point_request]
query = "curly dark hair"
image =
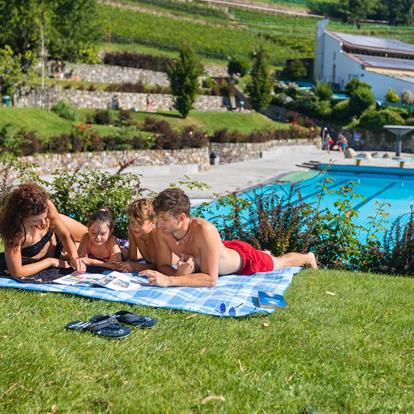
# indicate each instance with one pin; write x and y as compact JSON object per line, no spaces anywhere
{"x":172,"y":200}
{"x":25,"y":201}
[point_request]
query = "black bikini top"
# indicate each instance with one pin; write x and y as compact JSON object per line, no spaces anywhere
{"x":36,"y":248}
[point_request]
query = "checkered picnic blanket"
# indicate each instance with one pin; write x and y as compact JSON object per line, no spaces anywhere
{"x":235,"y":291}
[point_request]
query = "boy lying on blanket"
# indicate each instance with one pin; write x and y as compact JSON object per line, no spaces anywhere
{"x":199,"y":245}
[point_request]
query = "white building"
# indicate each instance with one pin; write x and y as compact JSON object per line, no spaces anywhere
{"x":382,"y":63}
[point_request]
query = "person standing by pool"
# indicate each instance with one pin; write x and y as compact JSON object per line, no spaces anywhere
{"x":196,"y":239}
{"x":35,"y":234}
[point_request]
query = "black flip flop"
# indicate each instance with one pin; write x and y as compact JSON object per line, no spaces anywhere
{"x":130,"y":318}
{"x":101,"y":325}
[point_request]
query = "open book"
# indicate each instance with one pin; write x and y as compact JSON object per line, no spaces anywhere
{"x":113,"y":280}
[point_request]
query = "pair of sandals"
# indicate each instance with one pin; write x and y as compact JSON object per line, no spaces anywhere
{"x":109,"y":326}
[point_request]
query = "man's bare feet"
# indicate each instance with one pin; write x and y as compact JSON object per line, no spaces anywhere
{"x":312,"y":261}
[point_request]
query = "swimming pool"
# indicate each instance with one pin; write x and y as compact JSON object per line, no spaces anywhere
{"x":392,"y":187}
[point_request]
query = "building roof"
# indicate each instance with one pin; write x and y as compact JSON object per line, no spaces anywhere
{"x":374,"y":43}
{"x":385,"y":62}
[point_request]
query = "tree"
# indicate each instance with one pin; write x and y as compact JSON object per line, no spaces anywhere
{"x":360,"y":100}
{"x":69,"y":26}
{"x":183,"y":74}
{"x":295,"y":70}
{"x":238,"y":66}
{"x":261,"y":84}
{"x":354,"y":84}
{"x":75,"y":31}
{"x":10,"y":71}
{"x":398,"y":11}
{"x":20,"y":24}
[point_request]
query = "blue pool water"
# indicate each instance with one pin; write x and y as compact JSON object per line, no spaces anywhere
{"x":392,"y":186}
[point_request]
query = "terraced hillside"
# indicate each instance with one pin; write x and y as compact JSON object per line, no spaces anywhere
{"x":216,"y":33}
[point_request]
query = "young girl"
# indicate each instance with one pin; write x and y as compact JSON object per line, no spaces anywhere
{"x":35,"y":234}
{"x":99,"y":247}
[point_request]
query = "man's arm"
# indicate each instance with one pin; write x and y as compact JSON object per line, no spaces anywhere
{"x":209,"y":248}
{"x":163,"y":256}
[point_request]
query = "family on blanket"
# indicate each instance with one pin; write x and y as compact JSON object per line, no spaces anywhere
{"x":166,"y":244}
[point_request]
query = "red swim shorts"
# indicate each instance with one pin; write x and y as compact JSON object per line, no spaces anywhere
{"x":253,"y":260}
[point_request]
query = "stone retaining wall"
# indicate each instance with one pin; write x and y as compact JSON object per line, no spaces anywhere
{"x":121,"y":74}
{"x":114,"y":74}
{"x":385,"y":141}
{"x":29,"y":98}
{"x":48,"y":163}
{"x":229,"y":152}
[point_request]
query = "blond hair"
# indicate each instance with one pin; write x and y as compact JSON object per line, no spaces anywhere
{"x":141,"y":210}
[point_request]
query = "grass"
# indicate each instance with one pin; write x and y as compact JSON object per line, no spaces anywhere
{"x":347,"y":353}
{"x":48,"y":124}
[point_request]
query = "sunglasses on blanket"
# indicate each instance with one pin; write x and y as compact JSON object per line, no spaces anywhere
{"x":232,"y":310}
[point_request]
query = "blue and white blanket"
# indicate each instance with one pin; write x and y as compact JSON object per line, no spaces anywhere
{"x":239,"y":292}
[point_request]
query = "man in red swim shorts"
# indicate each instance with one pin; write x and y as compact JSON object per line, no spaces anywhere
{"x":204,"y":256}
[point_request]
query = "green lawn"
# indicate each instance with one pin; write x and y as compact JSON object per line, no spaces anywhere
{"x":45,"y":123}
{"x":343,"y":345}
{"x":48,"y":124}
{"x":211,"y":121}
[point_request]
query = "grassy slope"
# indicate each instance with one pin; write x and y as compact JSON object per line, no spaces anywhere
{"x":48,"y":124}
{"x":348,"y":353}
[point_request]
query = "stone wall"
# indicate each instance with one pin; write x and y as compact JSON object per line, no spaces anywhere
{"x":28,"y":98}
{"x":114,"y":74}
{"x":48,"y":163}
{"x":121,"y":74}
{"x":154,"y":162}
{"x":229,"y":152}
{"x":385,"y":141}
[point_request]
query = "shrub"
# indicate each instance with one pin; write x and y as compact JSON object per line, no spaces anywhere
{"x":18,"y":143}
{"x":323,"y":90}
{"x":374,"y":120}
{"x":407,"y":97}
{"x":392,"y":96}
{"x":77,"y":194}
{"x":238,"y":66}
{"x":323,"y":108}
{"x":138,"y":60}
{"x":193,"y":139}
{"x":102,"y":117}
{"x":354,"y":84}
{"x":128,"y":87}
{"x":65,"y":111}
{"x":340,"y":111}
{"x":295,"y":69}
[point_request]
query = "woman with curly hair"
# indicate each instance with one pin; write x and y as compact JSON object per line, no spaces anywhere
{"x":35,"y":234}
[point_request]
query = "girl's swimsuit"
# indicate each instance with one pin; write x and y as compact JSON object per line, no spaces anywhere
{"x":92,"y":256}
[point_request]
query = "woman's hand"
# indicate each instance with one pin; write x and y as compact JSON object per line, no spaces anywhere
{"x":53,"y":262}
{"x":78,"y":265}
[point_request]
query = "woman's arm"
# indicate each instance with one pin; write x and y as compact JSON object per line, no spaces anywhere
{"x":17,"y":269}
{"x":64,"y":235}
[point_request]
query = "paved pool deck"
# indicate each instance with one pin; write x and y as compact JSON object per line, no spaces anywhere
{"x":239,"y":175}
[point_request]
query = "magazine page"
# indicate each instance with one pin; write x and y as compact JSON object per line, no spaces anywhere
{"x":113,"y":280}
{"x":119,"y":281}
